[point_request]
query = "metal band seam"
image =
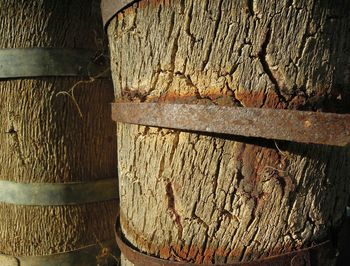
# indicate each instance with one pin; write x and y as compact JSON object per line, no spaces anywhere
{"x":110,"y":8}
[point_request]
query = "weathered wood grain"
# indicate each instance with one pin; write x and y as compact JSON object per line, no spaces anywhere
{"x":202,"y":198}
{"x":44,"y":139}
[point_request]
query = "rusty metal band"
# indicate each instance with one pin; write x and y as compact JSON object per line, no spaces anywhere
{"x":55,"y":194}
{"x":290,"y":125}
{"x":303,"y":257}
{"x":110,"y":8}
{"x":86,"y":256}
{"x":47,"y":62}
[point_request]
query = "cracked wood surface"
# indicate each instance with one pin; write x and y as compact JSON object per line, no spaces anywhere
{"x":201,"y":198}
{"x":43,"y":138}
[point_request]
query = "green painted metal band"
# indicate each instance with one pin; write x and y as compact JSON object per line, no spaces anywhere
{"x":92,"y":255}
{"x":54,"y":194}
{"x":46,"y":62}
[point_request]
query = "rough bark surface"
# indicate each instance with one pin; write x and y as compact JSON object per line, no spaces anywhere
{"x":202,"y":198}
{"x":43,"y":137}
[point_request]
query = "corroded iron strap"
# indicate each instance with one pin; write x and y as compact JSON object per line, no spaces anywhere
{"x":86,"y":256}
{"x":303,"y":257}
{"x":298,"y":126}
{"x":110,"y":8}
{"x":47,"y":62}
{"x":53,"y":194}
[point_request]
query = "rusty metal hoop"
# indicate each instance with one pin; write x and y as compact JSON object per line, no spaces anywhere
{"x":302,"y":257}
{"x":299,"y":126}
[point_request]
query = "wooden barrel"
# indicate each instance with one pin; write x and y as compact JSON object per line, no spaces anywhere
{"x":58,"y":146}
{"x":213,"y":198}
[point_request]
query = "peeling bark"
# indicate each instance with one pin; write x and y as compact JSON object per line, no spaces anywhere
{"x":43,"y":138}
{"x":234,"y":198}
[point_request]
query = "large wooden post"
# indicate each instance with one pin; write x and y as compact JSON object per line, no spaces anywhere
{"x":49,"y":137}
{"x":200,"y":198}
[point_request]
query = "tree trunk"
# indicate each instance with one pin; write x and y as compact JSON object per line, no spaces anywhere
{"x":43,"y":137}
{"x":202,"y":198}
